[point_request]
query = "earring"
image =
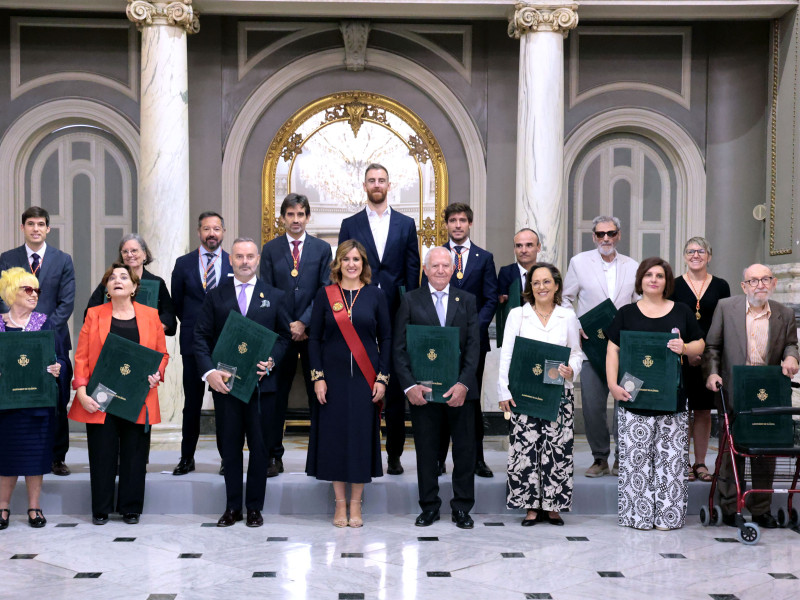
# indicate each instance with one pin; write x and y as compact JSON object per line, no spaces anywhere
{"x":108,"y":295}
{"x":133,"y":294}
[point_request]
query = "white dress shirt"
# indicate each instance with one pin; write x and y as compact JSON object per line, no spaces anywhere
{"x":466,"y":244}
{"x":301,"y":239}
{"x":610,"y":269}
{"x":523,"y":273}
{"x":40,"y":252}
{"x":379,"y":224}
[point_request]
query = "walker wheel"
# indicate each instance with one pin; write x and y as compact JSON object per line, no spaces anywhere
{"x":716,"y":516}
{"x":705,"y":516}
{"x":782,"y":518}
{"x":749,"y":534}
{"x":794,"y":518}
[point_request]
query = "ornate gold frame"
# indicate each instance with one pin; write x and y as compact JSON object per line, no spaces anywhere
{"x":356,"y":107}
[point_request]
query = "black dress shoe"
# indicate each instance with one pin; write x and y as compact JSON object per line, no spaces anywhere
{"x":229,"y":517}
{"x":131,"y":518}
{"x":442,"y":468}
{"x":427,"y":518}
{"x":729,"y":520}
{"x":100,"y":518}
{"x":4,"y":515}
{"x":463,"y":520}
{"x":221,"y":468}
{"x":254,"y":518}
{"x":530,"y":522}
{"x":59,"y":468}
{"x":272,"y":468}
{"x":279,"y":462}
{"x":555,"y":520}
{"x":185,"y":466}
{"x":766,"y":520}
{"x":38,"y":519}
{"x":393,"y":466}
{"x":482,"y":469}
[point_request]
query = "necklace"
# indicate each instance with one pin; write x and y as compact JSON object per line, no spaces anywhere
{"x":697,"y":294}
{"x":13,"y":322}
{"x":349,"y":307}
{"x":543,"y":317}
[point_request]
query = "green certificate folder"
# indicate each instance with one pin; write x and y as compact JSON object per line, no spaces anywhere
{"x":531,"y":394}
{"x":762,"y":386}
{"x":123,"y":366}
{"x":147,"y":294}
{"x":645,"y":355}
{"x":435,"y":355}
{"x":242,"y":344}
{"x":593,"y":323}
{"x":24,"y":380}
{"x":503,"y":309}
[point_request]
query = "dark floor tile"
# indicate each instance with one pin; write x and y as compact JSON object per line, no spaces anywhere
{"x":723,"y":597}
{"x":162,"y":596}
{"x":124,"y":539}
{"x":438,"y":573}
{"x":610,"y":574}
{"x":265,"y":573}
{"x":538,"y":596}
{"x":668,"y":555}
{"x":783,"y":576}
{"x":21,"y":556}
{"x":432,"y":538}
{"x":277,"y":539}
{"x":190,"y":555}
{"x":352,"y":555}
{"x":208,"y":524}
{"x":512,"y":555}
{"x":577,"y":539}
{"x":66,"y":524}
{"x":494,"y":524}
{"x":87,"y":575}
{"x":727,"y":540}
{"x":351,"y":596}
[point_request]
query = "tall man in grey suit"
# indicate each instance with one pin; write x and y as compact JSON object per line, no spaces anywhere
{"x":592,"y":277}
{"x":749,"y":330}
{"x":441,"y":304}
{"x":53,"y":268}
{"x":297,"y":264}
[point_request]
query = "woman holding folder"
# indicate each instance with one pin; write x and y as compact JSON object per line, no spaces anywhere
{"x":540,"y":461}
{"x":349,"y":351}
{"x":111,"y":439}
{"x":26,"y":434}
{"x":653,"y":444}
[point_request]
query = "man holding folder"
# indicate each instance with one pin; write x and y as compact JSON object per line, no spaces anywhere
{"x":440,"y":305}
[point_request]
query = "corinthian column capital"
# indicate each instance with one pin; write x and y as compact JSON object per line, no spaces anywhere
{"x":554,"y":16}
{"x":178,"y":14}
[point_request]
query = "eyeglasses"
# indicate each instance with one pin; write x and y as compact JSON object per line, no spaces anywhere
{"x":30,"y":289}
{"x":130,"y":252}
{"x":542,"y":284}
{"x":609,"y":234}
{"x":699,"y":252}
{"x":754,"y":282}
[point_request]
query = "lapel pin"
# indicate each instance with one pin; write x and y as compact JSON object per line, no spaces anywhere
{"x":457,"y":298}
{"x":261,"y":295}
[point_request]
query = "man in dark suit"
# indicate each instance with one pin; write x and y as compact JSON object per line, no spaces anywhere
{"x":390,"y":239}
{"x":749,"y":330}
{"x":474,"y":273}
{"x":266,"y":306}
{"x":194,"y":275}
{"x":441,"y":304}
{"x":297,"y":264}
{"x":526,"y":249}
{"x":53,"y":268}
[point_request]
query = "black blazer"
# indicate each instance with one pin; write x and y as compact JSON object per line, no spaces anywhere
{"x":314,"y":272}
{"x":220,"y":302}
{"x":505,"y":278}
{"x":57,"y":280}
{"x":400,"y":264}
{"x":416,"y":308}
{"x":188,"y":294}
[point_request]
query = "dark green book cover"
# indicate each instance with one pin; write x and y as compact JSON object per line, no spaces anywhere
{"x":594,"y":323}
{"x":242,"y":344}
{"x":435,"y":355}
{"x":762,"y":386}
{"x":504,"y":309}
{"x":531,"y":394}
{"x":24,"y":380}
{"x":644,"y":354}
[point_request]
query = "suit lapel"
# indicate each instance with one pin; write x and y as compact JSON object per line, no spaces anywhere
{"x":776,"y":326}
{"x":259,"y":296}
{"x":740,"y":324}
{"x":452,"y":306}
{"x":104,"y":323}
{"x":428,"y":305}
{"x":472,"y":263}
{"x":286,"y":250}
{"x":362,"y":223}
{"x":600,"y":274}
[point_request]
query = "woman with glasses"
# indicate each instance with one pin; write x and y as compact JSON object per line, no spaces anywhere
{"x":653,"y":444}
{"x":700,"y":291}
{"x":133,"y":251}
{"x":540,"y":460}
{"x":26,"y":434}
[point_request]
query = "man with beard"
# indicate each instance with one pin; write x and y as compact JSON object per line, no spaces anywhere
{"x":390,"y":239}
{"x":749,"y":330}
{"x":194,"y":275}
{"x":592,"y":277}
{"x":297,"y":264}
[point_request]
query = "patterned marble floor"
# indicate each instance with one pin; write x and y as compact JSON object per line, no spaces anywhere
{"x":187,"y":557}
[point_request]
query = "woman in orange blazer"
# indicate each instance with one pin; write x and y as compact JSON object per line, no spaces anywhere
{"x":113,"y":440}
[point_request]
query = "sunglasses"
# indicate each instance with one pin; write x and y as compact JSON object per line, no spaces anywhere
{"x":29,"y":290}
{"x":610,"y":234}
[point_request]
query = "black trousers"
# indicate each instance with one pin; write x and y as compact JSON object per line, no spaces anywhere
{"x":286,"y":371}
{"x":242,"y":421}
{"x":193,"y":390}
{"x":444,"y":439}
{"x":114,"y":442}
{"x":61,"y":431}
{"x":394,"y":411}
{"x":427,"y":421}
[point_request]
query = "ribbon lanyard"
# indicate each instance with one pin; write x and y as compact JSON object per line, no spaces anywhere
{"x":208,"y":267}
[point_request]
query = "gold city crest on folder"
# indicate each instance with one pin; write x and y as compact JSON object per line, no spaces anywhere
{"x":432,"y":355}
{"x":242,"y":348}
{"x":125,"y":369}
{"x":762,"y":394}
{"x":600,"y":334}
{"x":648,"y":361}
{"x":537,"y":369}
{"x":23,"y":360}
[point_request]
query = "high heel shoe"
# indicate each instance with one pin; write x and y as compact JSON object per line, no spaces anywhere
{"x":340,"y":521}
{"x":4,"y":519}
{"x":38,"y":519}
{"x":355,"y":521}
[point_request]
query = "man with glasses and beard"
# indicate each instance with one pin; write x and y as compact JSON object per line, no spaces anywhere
{"x":592,"y":277}
{"x":749,"y":330}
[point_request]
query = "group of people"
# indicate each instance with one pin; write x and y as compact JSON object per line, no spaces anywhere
{"x":346,"y":320}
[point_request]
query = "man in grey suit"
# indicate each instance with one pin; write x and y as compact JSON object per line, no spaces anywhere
{"x":53,"y":268}
{"x":592,"y":277}
{"x":749,"y":330}
{"x":298,"y":264}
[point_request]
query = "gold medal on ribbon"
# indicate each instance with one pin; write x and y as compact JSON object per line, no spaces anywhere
{"x":459,"y":275}
{"x":337,"y":306}
{"x":294,"y":272}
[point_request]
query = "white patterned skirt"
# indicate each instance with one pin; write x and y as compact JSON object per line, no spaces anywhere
{"x":653,"y":454}
{"x":540,"y":461}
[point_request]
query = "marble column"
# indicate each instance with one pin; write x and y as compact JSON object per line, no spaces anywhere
{"x":541,"y":28}
{"x":164,"y":155}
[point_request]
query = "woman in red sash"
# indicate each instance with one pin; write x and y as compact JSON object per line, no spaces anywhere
{"x":349,"y":350}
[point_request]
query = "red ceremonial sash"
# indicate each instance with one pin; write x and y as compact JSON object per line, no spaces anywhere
{"x":349,"y":333}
